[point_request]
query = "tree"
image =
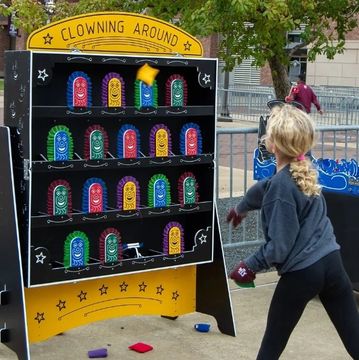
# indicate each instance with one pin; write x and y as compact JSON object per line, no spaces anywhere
{"x":30,"y":15}
{"x":249,"y":28}
{"x":258,"y":28}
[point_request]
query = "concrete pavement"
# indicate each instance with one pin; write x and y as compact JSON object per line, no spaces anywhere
{"x":314,"y":338}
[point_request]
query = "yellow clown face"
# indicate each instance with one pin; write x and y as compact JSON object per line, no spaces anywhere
{"x":161,"y":143}
{"x":129,"y":196}
{"x":174,"y":241}
{"x":114,"y":93}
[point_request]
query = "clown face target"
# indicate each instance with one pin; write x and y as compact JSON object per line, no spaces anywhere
{"x":146,"y":95}
{"x":79,"y":95}
{"x":113,"y":90}
{"x":191,"y":140}
{"x":76,"y":250}
{"x":159,"y":191}
{"x":176,"y":91}
{"x":59,"y":144}
{"x":94,"y":198}
{"x":128,"y":142}
{"x":187,"y":189}
{"x":96,"y":143}
{"x":59,"y":200}
{"x":79,"y":90}
{"x":173,"y":239}
{"x":128,"y":194}
{"x":160,"y":141}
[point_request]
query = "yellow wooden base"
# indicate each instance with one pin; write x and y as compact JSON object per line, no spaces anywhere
{"x":56,"y":308}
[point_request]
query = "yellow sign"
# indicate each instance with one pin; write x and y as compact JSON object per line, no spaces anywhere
{"x":115,"y":32}
{"x":54,"y":309}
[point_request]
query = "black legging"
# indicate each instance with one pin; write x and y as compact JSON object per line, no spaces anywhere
{"x":326,"y":278}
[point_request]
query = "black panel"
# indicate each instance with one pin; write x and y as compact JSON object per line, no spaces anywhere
{"x":212,"y":288}
{"x":343,"y":213}
{"x":12,"y":316}
{"x":17,"y":118}
{"x":36,"y":101}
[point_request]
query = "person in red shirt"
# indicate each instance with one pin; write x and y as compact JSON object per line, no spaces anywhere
{"x":303,"y":94}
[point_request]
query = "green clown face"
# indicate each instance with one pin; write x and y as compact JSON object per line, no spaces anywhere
{"x":60,"y":200}
{"x":111,"y":248}
{"x":96,"y":145}
{"x":177,"y":93}
{"x":189,"y":190}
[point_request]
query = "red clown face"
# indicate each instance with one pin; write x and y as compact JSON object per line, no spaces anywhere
{"x":95,"y":198}
{"x":80,"y":92}
{"x":191,"y":142}
{"x":130,"y":144}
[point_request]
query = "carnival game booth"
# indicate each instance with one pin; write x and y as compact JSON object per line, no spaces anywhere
{"x":107,"y":172}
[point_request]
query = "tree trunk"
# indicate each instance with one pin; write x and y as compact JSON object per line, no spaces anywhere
{"x":280,"y":78}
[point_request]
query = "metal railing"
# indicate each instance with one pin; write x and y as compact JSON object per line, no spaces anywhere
{"x":246,"y":103}
{"x":235,"y":149}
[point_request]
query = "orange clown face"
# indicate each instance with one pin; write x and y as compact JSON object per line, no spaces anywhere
{"x":114,"y":93}
{"x":174,"y":241}
{"x":129,"y":196}
{"x":161,"y":143}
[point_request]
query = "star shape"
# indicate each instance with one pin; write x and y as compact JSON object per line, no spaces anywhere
{"x":61,"y":305}
{"x":42,"y":74}
{"x":206,"y":78}
{"x":142,"y":286}
{"x":123,"y":286}
{"x":203,"y":238}
{"x":160,"y":290}
{"x":40,"y":317}
{"x":175,"y":295}
{"x":82,"y":295}
{"x":103,"y":289}
{"x":40,"y":258}
{"x":48,"y":38}
{"x":187,"y":46}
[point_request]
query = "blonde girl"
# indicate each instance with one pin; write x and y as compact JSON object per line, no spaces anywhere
{"x":299,"y":239}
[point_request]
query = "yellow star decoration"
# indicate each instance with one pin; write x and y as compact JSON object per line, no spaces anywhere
{"x":147,"y":74}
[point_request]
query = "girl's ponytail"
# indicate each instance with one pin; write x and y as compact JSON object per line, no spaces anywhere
{"x":305,"y":177}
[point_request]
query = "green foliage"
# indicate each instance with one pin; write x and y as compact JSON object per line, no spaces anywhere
{"x":248,"y":28}
{"x":258,"y":28}
{"x":28,"y":14}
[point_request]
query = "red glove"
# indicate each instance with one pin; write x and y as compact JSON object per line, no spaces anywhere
{"x":288,"y":99}
{"x":235,"y":218}
{"x":242,"y":274}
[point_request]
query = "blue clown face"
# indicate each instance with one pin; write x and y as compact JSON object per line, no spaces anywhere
{"x":146,"y":95}
{"x":160,"y":193}
{"x":61,"y":144}
{"x":77,"y":252}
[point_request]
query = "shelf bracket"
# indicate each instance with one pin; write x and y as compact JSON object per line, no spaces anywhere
{"x":4,"y":334}
{"x":4,"y":296}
